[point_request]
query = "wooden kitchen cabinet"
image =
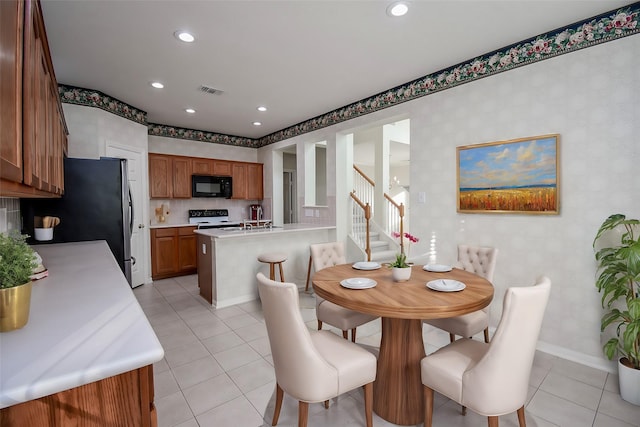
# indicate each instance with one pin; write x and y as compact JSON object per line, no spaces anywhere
{"x":169,"y":177}
{"x":247,"y":181}
{"x":254,"y":181}
{"x":202,"y":166}
{"x":125,"y":399}
{"x":239,"y":180}
{"x":173,"y":252}
{"x":34,"y":139}
{"x":221,"y":168}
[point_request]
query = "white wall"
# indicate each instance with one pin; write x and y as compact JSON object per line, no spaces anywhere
{"x":590,"y":98}
{"x":90,"y":128}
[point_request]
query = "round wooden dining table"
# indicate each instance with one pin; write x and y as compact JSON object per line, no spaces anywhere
{"x":397,"y":390}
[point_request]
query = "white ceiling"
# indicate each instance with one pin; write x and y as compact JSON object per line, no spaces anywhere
{"x":299,"y":58}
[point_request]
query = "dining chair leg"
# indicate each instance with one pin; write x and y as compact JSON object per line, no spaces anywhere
{"x":276,"y":412}
{"x":303,"y":413}
{"x":428,"y":406}
{"x":521,"y":419}
{"x":486,"y":335}
{"x":353,"y":335}
{"x":452,"y":337}
{"x":326,"y":404}
{"x":345,"y":335}
{"x":368,"y":404}
{"x":464,"y":411}
{"x":493,"y":421}
{"x":281,"y":272}
{"x":306,"y":287}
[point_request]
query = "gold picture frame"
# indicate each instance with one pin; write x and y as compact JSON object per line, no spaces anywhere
{"x":515,"y":176}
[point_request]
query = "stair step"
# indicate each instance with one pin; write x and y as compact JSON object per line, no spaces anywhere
{"x":383,"y":256}
{"x":378,"y":245}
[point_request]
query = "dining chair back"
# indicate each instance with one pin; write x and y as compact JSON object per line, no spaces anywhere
{"x":311,"y":366}
{"x":491,"y":379}
{"x":481,"y":261}
{"x":326,"y":255}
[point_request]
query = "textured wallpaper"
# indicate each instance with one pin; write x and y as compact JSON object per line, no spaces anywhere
{"x":591,"y":99}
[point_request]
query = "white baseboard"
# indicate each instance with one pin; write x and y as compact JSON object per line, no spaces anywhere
{"x":575,"y":356}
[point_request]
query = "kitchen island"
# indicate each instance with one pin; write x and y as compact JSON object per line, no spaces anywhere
{"x":85,"y":356}
{"x":228,"y":259}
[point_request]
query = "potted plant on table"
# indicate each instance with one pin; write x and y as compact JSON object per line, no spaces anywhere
{"x":618,"y":279}
{"x":17,"y":262}
{"x":400,"y":268}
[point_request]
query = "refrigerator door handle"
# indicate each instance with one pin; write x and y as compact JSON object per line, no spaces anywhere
{"x":131,"y":211}
{"x":133,"y":260}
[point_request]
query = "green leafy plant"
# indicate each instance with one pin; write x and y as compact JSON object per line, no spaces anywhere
{"x":17,"y":260}
{"x":617,"y":279}
{"x":400,"y":262}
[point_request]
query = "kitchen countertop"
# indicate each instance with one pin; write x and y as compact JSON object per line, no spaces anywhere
{"x":84,"y":325}
{"x":287,"y":228}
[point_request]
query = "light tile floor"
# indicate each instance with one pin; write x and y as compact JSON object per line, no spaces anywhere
{"x":218,"y":371}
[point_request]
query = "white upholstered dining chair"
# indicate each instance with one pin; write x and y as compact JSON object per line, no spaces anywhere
{"x":491,"y":379}
{"x":325,"y":255}
{"x":481,"y":261}
{"x":311,"y":366}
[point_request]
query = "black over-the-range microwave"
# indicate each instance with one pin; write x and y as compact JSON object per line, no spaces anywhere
{"x":210,"y":186}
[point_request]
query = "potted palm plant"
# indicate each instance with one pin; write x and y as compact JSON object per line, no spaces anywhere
{"x":17,"y":262}
{"x":617,"y":246}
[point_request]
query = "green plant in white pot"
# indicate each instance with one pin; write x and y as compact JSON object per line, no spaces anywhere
{"x":17,"y":262}
{"x":618,"y":280}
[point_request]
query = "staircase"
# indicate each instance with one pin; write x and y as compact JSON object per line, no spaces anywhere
{"x":381,"y":251}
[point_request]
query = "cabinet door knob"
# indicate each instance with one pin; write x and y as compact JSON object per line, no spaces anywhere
{"x":140,"y":225}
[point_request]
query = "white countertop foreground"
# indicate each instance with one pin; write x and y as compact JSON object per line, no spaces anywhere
{"x":84,"y":325}
{"x":287,"y":228}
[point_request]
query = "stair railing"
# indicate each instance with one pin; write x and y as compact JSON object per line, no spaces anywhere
{"x":361,"y":209}
{"x":363,"y":186}
{"x":395,"y":218}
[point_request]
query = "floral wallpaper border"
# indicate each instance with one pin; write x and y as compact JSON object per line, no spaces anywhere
{"x":599,"y":29}
{"x":95,"y":98}
{"x":202,"y":136}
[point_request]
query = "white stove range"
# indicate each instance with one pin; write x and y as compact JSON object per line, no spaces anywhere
{"x":211,"y":218}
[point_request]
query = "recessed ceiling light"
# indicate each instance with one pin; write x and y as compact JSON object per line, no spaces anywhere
{"x":157,"y":85}
{"x":184,"y":36}
{"x":261,"y":108}
{"x":398,"y":8}
{"x":257,"y":123}
{"x":190,"y":110}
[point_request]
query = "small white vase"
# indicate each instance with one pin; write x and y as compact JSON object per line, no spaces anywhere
{"x":629,"y":379}
{"x":401,"y":274}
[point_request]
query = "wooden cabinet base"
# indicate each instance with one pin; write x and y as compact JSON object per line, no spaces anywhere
{"x":121,"y":400}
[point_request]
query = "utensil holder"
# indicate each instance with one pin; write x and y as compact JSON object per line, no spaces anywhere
{"x":43,"y":234}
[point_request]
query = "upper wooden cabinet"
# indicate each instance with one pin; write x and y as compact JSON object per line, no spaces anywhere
{"x":34,"y":136}
{"x":170,"y":176}
{"x":254,"y":181}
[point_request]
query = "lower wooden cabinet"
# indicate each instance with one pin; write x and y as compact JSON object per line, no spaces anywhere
{"x":173,"y":252}
{"x":121,"y":400}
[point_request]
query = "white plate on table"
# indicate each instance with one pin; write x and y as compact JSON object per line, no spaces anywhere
{"x":446,"y":285}
{"x":358,"y":283}
{"x":366,"y":265}
{"x":437,"y":268}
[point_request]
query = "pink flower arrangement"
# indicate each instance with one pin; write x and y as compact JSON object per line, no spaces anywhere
{"x":410,"y":237}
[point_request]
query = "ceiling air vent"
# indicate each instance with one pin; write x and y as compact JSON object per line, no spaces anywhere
{"x":210,"y":90}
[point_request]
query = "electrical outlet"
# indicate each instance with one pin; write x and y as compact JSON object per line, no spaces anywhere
{"x":422,"y":197}
{"x":317,"y":213}
{"x":308,"y":212}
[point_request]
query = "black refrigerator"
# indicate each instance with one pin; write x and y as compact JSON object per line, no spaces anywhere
{"x":96,"y":205}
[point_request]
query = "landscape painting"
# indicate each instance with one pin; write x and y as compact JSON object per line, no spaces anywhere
{"x":516,"y":176}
